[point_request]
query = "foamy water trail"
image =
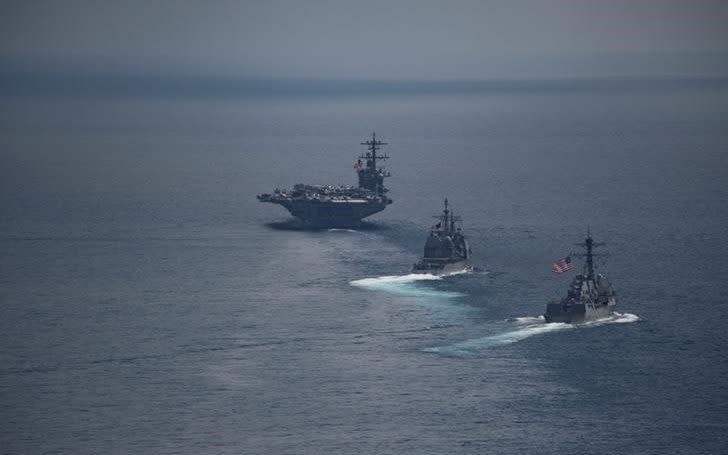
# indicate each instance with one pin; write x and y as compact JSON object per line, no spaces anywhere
{"x":458,"y":272}
{"x":526,"y":327}
{"x":343,"y":230}
{"x":405,"y":285}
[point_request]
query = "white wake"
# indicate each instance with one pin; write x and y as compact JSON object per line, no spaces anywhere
{"x":527,"y":327}
{"x":405,"y":285}
{"x":343,"y":230}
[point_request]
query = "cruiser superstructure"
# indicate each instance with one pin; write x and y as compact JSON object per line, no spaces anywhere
{"x":590,"y":295}
{"x":446,"y":250}
{"x":339,"y":206}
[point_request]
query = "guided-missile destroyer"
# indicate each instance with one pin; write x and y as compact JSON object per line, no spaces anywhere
{"x":590,"y":295}
{"x":446,"y":250}
{"x":339,"y":206}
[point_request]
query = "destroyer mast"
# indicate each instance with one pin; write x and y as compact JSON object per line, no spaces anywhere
{"x":590,"y":295}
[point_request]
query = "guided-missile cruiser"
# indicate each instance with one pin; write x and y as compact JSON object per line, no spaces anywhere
{"x":339,"y":206}
{"x":446,"y":250}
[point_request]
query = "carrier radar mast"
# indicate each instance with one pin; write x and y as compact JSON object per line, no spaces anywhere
{"x":370,"y":176}
{"x":371,"y":156}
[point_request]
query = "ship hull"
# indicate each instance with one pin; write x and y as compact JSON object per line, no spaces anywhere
{"x":320,"y":215}
{"x":440,"y":269}
{"x":575,"y":313}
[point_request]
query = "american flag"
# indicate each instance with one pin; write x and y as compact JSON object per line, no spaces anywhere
{"x":562,"y":265}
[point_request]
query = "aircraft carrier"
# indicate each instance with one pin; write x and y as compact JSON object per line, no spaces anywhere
{"x":339,"y":206}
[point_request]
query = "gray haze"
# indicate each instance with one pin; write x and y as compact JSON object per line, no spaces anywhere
{"x":407,"y":39}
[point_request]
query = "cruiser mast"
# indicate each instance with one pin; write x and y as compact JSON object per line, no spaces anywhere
{"x":447,"y":219}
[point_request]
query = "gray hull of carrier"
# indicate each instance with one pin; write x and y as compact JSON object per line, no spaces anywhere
{"x":318,"y":206}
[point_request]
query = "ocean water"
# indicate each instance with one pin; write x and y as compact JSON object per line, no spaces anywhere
{"x":149,"y":303}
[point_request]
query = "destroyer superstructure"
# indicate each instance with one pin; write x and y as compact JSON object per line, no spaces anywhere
{"x":590,"y":295}
{"x":339,"y":206}
{"x":446,"y":250}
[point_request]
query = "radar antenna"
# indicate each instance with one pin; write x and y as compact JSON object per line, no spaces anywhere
{"x":447,"y":219}
{"x":589,"y":244}
{"x":371,"y":177}
{"x":371,"y":156}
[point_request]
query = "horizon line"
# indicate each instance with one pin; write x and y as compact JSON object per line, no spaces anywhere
{"x":98,"y":83}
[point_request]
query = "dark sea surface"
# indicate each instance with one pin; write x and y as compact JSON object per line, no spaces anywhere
{"x":149,"y":303}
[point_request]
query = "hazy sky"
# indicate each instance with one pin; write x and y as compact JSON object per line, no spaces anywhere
{"x":420,"y":39}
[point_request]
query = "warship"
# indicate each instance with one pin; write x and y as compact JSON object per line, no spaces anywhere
{"x":590,"y":295}
{"x":339,"y":206}
{"x":446,"y":250}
